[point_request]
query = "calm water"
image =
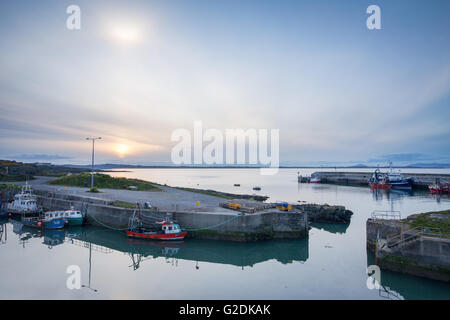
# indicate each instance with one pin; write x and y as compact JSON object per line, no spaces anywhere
{"x":330,"y":264}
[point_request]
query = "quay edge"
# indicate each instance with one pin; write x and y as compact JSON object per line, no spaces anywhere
{"x":421,"y":180}
{"x":249,"y":227}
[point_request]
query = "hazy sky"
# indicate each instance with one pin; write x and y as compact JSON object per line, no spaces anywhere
{"x":137,"y":70}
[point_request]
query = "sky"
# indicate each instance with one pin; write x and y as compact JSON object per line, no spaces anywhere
{"x":137,"y":70}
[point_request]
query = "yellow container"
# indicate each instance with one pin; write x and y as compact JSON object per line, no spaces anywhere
{"x":234,"y":206}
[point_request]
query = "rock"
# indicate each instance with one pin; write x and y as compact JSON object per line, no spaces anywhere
{"x":326,"y":213}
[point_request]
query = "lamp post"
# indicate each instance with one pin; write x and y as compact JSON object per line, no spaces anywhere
{"x":92,"y":167}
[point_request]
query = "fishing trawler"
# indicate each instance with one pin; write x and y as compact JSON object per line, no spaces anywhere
{"x":438,"y":188}
{"x":24,"y":202}
{"x":392,"y":179}
{"x":140,"y":227}
{"x":169,"y":231}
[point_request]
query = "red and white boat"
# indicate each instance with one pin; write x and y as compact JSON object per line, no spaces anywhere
{"x":169,"y":231}
{"x":446,"y":188}
{"x":314,"y":180}
{"x":435,"y":188}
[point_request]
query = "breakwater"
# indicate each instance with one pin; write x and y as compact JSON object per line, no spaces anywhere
{"x":421,"y":180}
{"x":202,"y":223}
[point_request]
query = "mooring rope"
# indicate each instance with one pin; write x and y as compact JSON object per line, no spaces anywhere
{"x":106,"y":226}
{"x":216,"y":225}
{"x":197,"y":229}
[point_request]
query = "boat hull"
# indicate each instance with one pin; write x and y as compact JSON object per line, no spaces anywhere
{"x":53,"y":224}
{"x":401,"y":185}
{"x":382,"y":186}
{"x":157,"y":236}
{"x":75,"y":221}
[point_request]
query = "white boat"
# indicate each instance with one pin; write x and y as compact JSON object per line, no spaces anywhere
{"x":24,"y":202}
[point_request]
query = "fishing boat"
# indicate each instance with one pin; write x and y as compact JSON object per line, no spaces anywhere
{"x":446,"y":188}
{"x":24,"y":202}
{"x":438,"y":188}
{"x":314,"y":180}
{"x":257,"y":188}
{"x":392,"y":179}
{"x":168,"y":231}
{"x":47,"y":220}
{"x":396,"y":179}
{"x":73,"y":217}
{"x":435,"y":188}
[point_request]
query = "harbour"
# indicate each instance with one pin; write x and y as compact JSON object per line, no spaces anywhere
{"x":328,"y":253}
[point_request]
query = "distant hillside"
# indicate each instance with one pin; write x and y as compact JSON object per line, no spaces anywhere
{"x":18,"y":171}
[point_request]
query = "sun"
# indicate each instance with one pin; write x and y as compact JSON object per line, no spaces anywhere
{"x":121,"y":149}
{"x":126,"y":34}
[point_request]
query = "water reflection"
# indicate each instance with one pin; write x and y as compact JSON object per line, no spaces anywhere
{"x":396,"y":195}
{"x":3,"y":231}
{"x":51,"y":238}
{"x":107,"y":241}
{"x":333,"y":228}
{"x":397,"y":286}
{"x":237,"y":254}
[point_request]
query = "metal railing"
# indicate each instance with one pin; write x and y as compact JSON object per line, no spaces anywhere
{"x":386,"y":215}
{"x":413,"y":234}
{"x":88,"y":245}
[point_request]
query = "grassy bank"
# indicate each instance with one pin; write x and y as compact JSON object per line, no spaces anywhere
{"x":225,"y":195}
{"x":14,"y":178}
{"x":207,"y":192}
{"x":9,"y":187}
{"x":437,"y":219}
{"x":104,"y":181}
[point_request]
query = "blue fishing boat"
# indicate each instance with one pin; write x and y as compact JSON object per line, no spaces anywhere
{"x":392,"y":179}
{"x":47,"y":220}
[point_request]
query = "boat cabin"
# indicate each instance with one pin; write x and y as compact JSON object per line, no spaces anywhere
{"x":169,"y":227}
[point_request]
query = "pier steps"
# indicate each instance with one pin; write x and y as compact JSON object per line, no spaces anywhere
{"x":419,"y":251}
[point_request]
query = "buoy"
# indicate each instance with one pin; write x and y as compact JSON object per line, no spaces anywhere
{"x":39,"y":224}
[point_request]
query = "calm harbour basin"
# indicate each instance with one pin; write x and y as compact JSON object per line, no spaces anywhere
{"x":330,"y":264}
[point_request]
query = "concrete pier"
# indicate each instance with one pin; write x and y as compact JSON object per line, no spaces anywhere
{"x":421,"y":180}
{"x":217,"y":224}
{"x":203,"y":215}
{"x":411,"y":252}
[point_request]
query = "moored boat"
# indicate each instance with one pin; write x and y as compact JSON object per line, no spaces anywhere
{"x":24,"y":202}
{"x":314,"y":180}
{"x":435,"y":188}
{"x":47,"y":220}
{"x":73,"y":217}
{"x":380,"y":185}
{"x":392,"y":179}
{"x":168,"y":231}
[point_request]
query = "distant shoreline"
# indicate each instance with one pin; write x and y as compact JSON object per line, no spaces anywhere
{"x":281,"y":167}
